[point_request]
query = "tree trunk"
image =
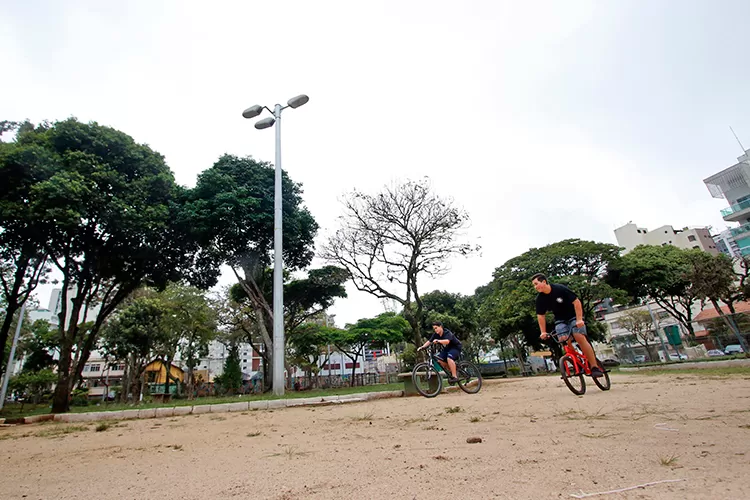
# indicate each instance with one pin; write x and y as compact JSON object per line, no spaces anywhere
{"x":61,"y":398}
{"x":354,"y":370}
{"x":730,"y":323}
{"x":190,"y":381}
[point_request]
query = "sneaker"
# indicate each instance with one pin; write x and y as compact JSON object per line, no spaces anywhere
{"x":452,"y":380}
{"x":596,"y":372}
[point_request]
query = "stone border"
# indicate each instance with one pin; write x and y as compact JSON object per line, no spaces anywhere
{"x":725,"y":363}
{"x":170,"y":411}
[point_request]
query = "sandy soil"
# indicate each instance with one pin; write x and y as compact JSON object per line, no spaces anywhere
{"x":539,"y":441}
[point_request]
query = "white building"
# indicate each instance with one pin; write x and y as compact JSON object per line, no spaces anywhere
{"x":52,"y":312}
{"x":630,"y":236}
{"x":733,"y":185}
{"x":213,"y":364}
{"x":726,"y":243}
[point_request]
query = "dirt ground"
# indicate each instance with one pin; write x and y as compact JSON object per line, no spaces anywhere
{"x":539,"y":441}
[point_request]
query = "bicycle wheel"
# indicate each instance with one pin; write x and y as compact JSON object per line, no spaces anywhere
{"x":572,"y":379}
{"x":469,"y":378}
{"x":603,"y":382}
{"x":427,"y":381}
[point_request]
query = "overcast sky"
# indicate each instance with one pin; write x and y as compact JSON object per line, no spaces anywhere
{"x":544,"y":120}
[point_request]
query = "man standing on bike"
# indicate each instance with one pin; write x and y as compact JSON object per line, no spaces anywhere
{"x":451,"y":351}
{"x":568,"y":311}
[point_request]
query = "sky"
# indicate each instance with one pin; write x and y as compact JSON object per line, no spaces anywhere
{"x":544,"y":120}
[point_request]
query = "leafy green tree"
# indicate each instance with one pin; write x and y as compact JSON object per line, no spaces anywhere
{"x":713,"y":277}
{"x":230,"y":213}
{"x":578,"y":264}
{"x":373,"y":332}
{"x":663,"y":274}
{"x":132,"y":335}
{"x":39,"y":347}
{"x":641,"y":327}
{"x":231,"y":378}
{"x":23,"y":232}
{"x":109,"y":210}
{"x":32,"y":383}
{"x":459,"y":314}
{"x":304,"y":299}
{"x":389,"y":240}
{"x":187,"y":327}
{"x":308,"y":346}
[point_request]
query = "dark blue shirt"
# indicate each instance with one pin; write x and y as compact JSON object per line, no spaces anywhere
{"x":447,"y":335}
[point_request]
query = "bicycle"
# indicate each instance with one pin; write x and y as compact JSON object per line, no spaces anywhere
{"x":574,"y":365}
{"x":428,"y":380}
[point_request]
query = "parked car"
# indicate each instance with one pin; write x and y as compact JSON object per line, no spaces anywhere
{"x":639,"y":358}
{"x":675,"y":357}
{"x":733,"y":349}
{"x":714,"y":352}
{"x":610,"y":363}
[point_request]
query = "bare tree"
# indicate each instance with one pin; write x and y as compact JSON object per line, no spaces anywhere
{"x":388,"y":240}
{"x":640,"y":325}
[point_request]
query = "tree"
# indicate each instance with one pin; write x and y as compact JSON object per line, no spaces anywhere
{"x":713,"y":277}
{"x":375,"y":332}
{"x":23,"y":232}
{"x":188,"y":325}
{"x":459,"y":314}
{"x":662,"y":273}
{"x":404,"y":232}
{"x":641,"y":326}
{"x":578,"y":264}
{"x":309,"y":344}
{"x":509,"y":315}
{"x":230,"y":213}
{"x":304,"y":299}
{"x":109,"y":208}
{"x":132,"y":335}
{"x":39,"y":347}
{"x":33,"y":383}
{"x":231,"y":378}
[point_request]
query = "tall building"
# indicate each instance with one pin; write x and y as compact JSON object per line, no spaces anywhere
{"x":630,"y":236}
{"x":733,"y":185}
{"x":726,"y":244}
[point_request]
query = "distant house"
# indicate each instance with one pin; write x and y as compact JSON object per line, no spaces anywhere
{"x":156,"y":376}
{"x":717,"y":335}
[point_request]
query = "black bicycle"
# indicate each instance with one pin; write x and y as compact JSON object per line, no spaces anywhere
{"x":428,"y":380}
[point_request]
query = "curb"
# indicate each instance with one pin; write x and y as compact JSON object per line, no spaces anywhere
{"x":173,"y":411}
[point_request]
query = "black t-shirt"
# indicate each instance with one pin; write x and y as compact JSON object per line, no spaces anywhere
{"x":447,"y":335}
{"x":559,"y":300}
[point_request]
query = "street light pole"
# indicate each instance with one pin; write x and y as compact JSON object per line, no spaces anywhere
{"x":278,"y":269}
{"x":278,"y":259}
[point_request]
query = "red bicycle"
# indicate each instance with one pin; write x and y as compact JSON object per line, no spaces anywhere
{"x":573,"y":367}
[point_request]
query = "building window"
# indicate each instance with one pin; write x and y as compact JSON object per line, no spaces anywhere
{"x":691,"y":238}
{"x":95,"y":368}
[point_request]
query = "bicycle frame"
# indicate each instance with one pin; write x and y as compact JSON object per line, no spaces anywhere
{"x":579,"y":360}
{"x":432,"y":354}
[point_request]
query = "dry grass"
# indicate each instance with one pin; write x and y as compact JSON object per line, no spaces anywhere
{"x":600,"y":435}
{"x":669,"y":461}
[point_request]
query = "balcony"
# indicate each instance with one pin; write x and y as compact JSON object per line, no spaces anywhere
{"x":740,"y":231}
{"x":737,"y":212}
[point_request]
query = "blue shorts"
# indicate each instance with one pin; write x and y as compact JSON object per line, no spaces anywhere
{"x":563,"y":329}
{"x":454,"y":354}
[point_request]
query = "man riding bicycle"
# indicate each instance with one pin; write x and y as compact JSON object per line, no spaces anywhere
{"x":451,"y":351}
{"x":568,"y":311}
